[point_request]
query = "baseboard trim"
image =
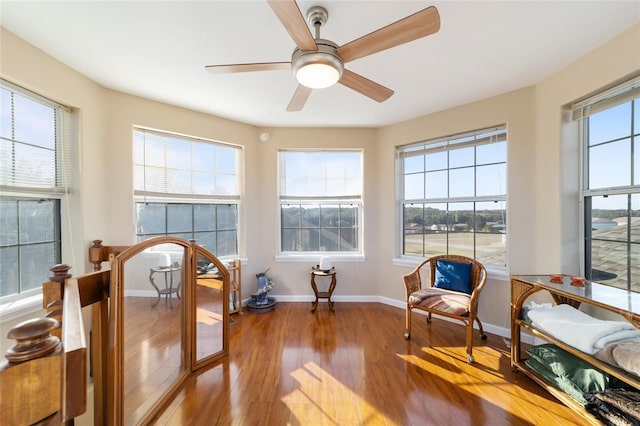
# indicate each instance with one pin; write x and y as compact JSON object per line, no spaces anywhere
{"x":489,"y":328}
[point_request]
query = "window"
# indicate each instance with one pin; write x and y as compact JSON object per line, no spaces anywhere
{"x":187,"y":187}
{"x":454,"y":196}
{"x":320,"y":202}
{"x":214,"y":226}
{"x":610,"y":133}
{"x":34,"y":167}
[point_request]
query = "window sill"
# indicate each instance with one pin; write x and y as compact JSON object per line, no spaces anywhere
{"x":19,"y":308}
{"x":495,"y":273}
{"x":315,"y":258}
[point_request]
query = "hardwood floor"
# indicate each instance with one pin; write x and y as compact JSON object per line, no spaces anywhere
{"x":354,"y":367}
{"x":153,"y":350}
{"x":152,"y":353}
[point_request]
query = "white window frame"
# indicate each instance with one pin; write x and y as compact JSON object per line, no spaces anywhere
{"x":353,"y":198}
{"x":145,"y":192}
{"x":469,"y":139}
{"x":17,"y":186}
{"x":580,"y":112}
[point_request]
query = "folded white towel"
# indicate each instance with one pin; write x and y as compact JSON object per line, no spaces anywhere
{"x":616,"y":337}
{"x":580,"y":330}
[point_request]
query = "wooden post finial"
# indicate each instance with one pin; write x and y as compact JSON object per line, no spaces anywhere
{"x":60,"y":273}
{"x":97,"y":254}
{"x":33,"y":338}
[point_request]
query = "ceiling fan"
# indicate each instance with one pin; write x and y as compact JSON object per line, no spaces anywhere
{"x":318,"y":63}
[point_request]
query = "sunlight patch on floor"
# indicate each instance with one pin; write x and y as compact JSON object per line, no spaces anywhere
{"x":207,"y":317}
{"x":319,"y":398}
{"x":508,"y":396}
{"x":485,"y":355}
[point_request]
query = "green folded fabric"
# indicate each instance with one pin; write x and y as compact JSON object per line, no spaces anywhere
{"x":562,"y":383}
{"x":562,"y":364}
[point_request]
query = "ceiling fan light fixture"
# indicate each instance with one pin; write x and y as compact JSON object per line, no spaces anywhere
{"x":317,"y":69}
{"x":318,"y":75}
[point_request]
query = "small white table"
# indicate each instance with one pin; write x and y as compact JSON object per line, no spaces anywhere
{"x":168,"y":289}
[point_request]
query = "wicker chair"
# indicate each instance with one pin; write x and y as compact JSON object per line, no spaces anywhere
{"x":448,"y":303}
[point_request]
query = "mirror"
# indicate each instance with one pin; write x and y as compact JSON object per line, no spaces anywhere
{"x":169,"y":315}
{"x":211,"y":292}
{"x":152,"y":322}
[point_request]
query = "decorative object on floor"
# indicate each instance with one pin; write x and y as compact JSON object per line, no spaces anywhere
{"x":260,"y":302}
{"x":319,"y":271}
{"x":444,"y":295}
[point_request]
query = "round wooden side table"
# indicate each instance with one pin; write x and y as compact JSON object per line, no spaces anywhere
{"x":323,"y":294}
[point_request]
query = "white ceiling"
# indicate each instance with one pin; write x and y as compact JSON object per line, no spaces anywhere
{"x":158,"y":50}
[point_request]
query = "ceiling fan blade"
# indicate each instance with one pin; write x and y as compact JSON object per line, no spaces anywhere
{"x":413,"y":27}
{"x":364,"y":86}
{"x":299,"y":98}
{"x":260,"y":66}
{"x":291,"y":18}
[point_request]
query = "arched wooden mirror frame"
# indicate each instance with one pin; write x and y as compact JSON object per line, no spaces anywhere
{"x":189,"y":344}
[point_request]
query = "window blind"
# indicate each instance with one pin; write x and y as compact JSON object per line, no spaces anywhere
{"x":178,"y":166}
{"x":459,"y":141}
{"x":617,"y":95}
{"x":35,"y":135}
{"x":320,"y":174}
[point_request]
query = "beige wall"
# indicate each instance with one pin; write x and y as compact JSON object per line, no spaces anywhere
{"x":125,"y":112}
{"x":30,"y":68}
{"x":542,"y":197}
{"x":292,"y":278}
{"x":516,"y":111}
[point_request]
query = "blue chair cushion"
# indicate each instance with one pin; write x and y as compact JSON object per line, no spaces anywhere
{"x":454,"y":276}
